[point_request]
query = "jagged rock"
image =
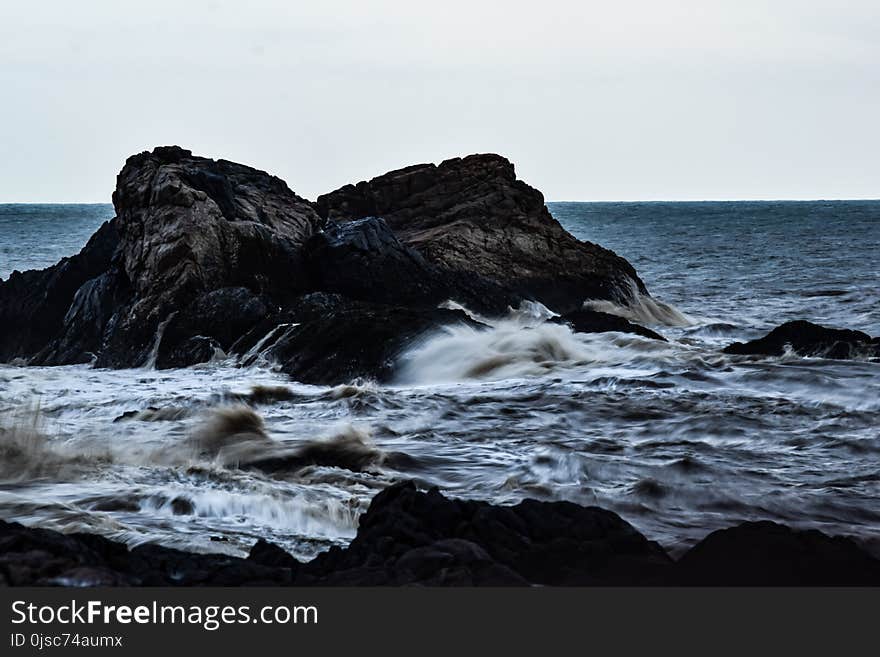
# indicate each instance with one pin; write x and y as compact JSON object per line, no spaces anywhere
{"x":583,"y":320}
{"x":808,"y":339}
{"x":364,"y":260}
{"x":189,"y":226}
{"x":408,"y":536}
{"x":209,"y":256}
{"x":211,"y":323}
{"x":471,"y":216}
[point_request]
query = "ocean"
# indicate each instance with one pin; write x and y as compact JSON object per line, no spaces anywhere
{"x":677,"y":437}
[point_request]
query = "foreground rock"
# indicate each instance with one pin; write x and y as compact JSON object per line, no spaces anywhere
{"x":203,"y":256}
{"x":408,"y":537}
{"x":768,"y":554}
{"x":413,"y":537}
{"x":808,"y":339}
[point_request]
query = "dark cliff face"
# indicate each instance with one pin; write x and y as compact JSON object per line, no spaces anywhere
{"x":189,"y":226}
{"x":203,"y":254}
{"x":472,"y":216}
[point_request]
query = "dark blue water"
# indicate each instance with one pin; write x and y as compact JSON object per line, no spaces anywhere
{"x":35,"y":236}
{"x":676,"y":437}
{"x":752,"y":263}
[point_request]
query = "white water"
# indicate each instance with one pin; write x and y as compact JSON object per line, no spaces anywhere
{"x":642,"y":309}
{"x":676,"y":437}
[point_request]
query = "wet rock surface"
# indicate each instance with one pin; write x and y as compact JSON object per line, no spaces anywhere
{"x":410,"y":537}
{"x":808,"y":339}
{"x":203,"y":256}
{"x":473,"y":216}
{"x":584,"y":320}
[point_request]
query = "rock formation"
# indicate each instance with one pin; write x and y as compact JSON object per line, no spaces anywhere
{"x":808,"y":339}
{"x":208,"y":258}
{"x":472,"y":216}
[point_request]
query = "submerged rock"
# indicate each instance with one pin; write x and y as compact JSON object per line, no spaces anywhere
{"x":808,"y":339}
{"x":410,"y":537}
{"x":471,"y":216}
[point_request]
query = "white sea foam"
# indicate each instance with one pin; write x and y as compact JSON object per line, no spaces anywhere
{"x":642,"y":308}
{"x":506,"y":350}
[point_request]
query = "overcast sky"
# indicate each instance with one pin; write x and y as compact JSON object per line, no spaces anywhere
{"x":610,"y":100}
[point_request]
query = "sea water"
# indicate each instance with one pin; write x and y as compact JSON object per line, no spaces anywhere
{"x":677,"y":437}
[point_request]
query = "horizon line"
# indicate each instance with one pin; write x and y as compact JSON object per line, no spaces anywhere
{"x":567,"y":200}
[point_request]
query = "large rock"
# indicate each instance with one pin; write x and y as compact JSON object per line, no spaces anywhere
{"x":206,"y":258}
{"x":408,"y":536}
{"x":198,"y":249}
{"x":189,"y":226}
{"x":769,"y":554}
{"x":808,"y":339}
{"x":472,"y":216}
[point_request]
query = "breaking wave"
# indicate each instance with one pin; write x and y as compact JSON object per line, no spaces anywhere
{"x":642,"y":308}
{"x":507,"y":350}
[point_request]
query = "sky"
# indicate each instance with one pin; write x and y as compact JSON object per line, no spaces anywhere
{"x":610,"y":100}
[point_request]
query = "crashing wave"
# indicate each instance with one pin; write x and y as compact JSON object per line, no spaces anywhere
{"x":507,"y":350}
{"x":642,"y":308}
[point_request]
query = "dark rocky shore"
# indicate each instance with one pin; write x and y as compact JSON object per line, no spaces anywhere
{"x":409,"y":537}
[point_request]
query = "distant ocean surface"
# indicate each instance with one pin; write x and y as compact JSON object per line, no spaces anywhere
{"x":36,"y":236}
{"x":677,"y":437}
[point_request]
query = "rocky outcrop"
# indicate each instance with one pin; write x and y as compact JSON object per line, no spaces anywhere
{"x":410,"y":537}
{"x":808,"y":339}
{"x":188,"y":229}
{"x":208,"y":258}
{"x":584,"y":320}
{"x":472,"y":216}
{"x":190,"y":226}
{"x":769,"y":554}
